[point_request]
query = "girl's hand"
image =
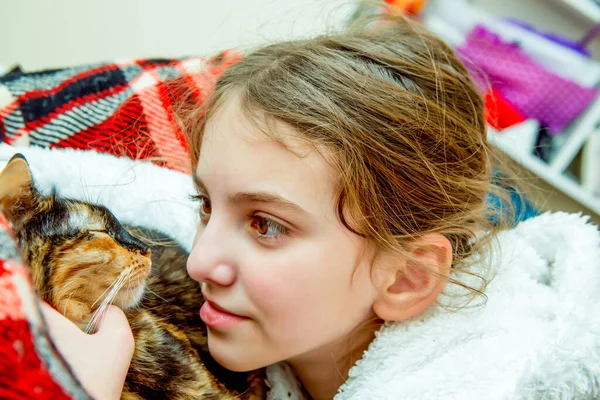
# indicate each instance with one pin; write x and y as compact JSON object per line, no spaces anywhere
{"x":99,"y":361}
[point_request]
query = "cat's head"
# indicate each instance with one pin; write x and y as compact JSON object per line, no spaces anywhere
{"x":77,"y":252}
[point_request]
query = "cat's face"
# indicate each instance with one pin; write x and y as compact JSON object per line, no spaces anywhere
{"x":79,"y":254}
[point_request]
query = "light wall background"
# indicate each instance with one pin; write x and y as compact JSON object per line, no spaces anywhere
{"x":42,"y":33}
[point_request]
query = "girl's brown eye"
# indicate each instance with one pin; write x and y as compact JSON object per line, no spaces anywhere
{"x":206,"y":206}
{"x":260,"y":225}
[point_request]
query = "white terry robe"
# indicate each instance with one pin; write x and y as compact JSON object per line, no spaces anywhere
{"x":536,"y":337}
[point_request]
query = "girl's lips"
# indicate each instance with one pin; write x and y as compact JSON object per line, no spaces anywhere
{"x":215,"y":317}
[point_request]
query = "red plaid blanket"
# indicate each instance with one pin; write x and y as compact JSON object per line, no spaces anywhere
{"x":30,"y":366}
{"x":125,"y":109}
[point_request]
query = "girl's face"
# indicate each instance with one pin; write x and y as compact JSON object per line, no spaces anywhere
{"x":270,"y":248}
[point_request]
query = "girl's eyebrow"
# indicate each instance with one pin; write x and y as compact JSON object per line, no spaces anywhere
{"x":199,"y":184}
{"x":265,"y":198}
{"x":255,"y":197}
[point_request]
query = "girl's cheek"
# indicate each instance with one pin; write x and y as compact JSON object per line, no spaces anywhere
{"x":269,"y":293}
{"x":276,"y":292}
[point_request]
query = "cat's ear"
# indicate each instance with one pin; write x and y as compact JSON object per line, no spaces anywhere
{"x":18,"y":194}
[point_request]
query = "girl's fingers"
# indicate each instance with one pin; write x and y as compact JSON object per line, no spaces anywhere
{"x":100,"y":361}
{"x":114,"y":325}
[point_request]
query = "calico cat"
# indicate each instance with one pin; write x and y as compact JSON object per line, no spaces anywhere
{"x":81,"y":259}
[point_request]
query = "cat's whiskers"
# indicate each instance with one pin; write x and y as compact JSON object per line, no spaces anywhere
{"x":129,"y":293}
{"x":108,"y":300}
{"x":67,"y":303}
{"x":154,"y":293}
{"x":127,"y":276}
{"x":129,"y":280}
{"x":105,"y":290}
{"x":98,"y":314}
{"x":147,"y":305}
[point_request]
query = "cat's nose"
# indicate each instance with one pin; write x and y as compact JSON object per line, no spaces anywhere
{"x":147,"y":254}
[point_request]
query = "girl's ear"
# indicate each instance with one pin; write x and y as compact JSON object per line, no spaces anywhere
{"x":17,"y":191}
{"x":408,"y":284}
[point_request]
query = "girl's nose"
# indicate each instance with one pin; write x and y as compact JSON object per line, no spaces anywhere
{"x":210,"y":260}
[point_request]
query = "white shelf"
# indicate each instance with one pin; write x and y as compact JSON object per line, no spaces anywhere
{"x":576,"y":137}
{"x":585,"y":8}
{"x":511,"y":143}
{"x":590,"y":164}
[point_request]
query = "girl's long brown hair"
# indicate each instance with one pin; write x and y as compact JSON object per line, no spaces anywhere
{"x":396,"y":115}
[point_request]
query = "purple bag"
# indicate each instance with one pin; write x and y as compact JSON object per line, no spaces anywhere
{"x":532,"y":89}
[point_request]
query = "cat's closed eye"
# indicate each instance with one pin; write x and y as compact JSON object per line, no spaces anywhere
{"x":98,"y":230}
{"x":91,"y":233}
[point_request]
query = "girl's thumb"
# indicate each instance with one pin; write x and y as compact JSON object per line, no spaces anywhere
{"x":114,"y":325}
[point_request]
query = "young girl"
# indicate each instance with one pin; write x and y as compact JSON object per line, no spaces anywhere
{"x":344,"y":234}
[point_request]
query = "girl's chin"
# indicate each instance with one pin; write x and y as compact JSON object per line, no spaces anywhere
{"x":232,"y":360}
{"x":237,"y":365}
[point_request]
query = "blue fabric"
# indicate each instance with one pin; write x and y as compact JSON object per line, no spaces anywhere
{"x":519,"y":209}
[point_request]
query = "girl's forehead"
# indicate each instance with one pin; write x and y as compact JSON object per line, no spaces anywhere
{"x":257,"y":132}
{"x":254,"y":124}
{"x":245,"y":153}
